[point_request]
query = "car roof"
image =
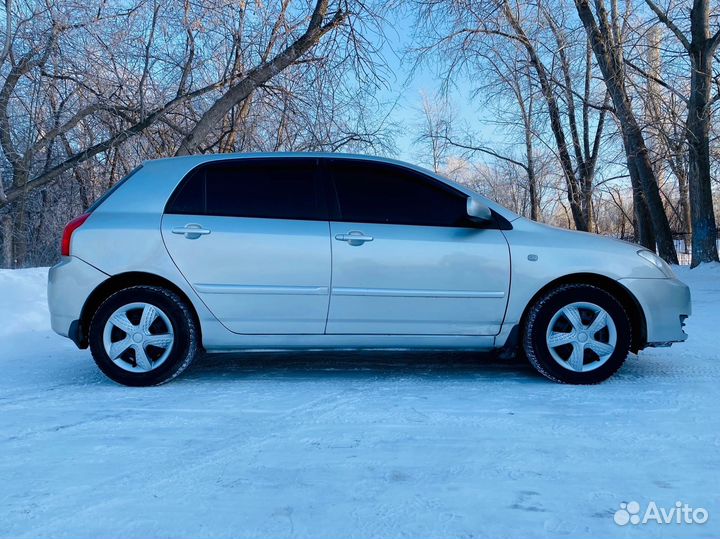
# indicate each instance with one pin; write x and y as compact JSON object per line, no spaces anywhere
{"x":192,"y":160}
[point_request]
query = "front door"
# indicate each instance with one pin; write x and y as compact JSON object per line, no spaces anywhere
{"x":407,"y":261}
{"x":251,"y":237}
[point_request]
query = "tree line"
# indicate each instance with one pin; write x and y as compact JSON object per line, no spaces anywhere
{"x":583,"y":79}
{"x":602,"y":110}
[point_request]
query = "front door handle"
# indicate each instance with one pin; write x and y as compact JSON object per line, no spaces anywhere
{"x":354,"y":237}
{"x":191,"y":231}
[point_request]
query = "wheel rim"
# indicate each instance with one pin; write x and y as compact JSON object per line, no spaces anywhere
{"x":138,"y":337}
{"x":581,"y":337}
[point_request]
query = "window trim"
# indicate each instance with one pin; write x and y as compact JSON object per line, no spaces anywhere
{"x":335,"y":209}
{"x":316,"y":181}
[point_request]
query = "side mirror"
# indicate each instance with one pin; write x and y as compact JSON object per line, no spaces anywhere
{"x":477,"y":211}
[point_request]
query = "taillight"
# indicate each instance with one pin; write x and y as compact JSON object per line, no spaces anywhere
{"x":71,"y":227}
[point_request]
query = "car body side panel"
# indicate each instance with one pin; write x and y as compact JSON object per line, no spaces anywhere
{"x":239,"y":342}
{"x":69,"y":284}
{"x":542,"y":254}
{"x":419,"y":280}
{"x":663,"y":301}
{"x":260,"y":276}
{"x":123,"y":235}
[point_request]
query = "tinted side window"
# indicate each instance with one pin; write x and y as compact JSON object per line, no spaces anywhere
{"x":277,"y":189}
{"x":377,"y":193}
{"x":190,"y":198}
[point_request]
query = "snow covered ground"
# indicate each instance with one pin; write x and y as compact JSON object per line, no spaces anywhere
{"x":351,"y":445}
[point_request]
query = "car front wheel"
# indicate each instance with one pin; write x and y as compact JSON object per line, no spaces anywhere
{"x":143,"y":336}
{"x":577,"y":334}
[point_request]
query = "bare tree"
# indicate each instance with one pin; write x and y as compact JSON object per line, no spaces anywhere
{"x":479,"y":36}
{"x":519,"y":34}
{"x":317,"y":27}
{"x":700,"y":46}
{"x":606,"y":41}
{"x":665,"y":132}
{"x":435,"y":131}
{"x":89,"y":90}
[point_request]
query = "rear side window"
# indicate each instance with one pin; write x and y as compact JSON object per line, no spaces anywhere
{"x":189,"y":199}
{"x":378,"y":193}
{"x":274,"y":189}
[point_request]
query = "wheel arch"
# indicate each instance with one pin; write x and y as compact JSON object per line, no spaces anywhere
{"x":119,"y":282}
{"x":629,"y":301}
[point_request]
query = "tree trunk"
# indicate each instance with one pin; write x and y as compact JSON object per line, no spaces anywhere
{"x":677,"y":161}
{"x":6,"y":233}
{"x":704,"y":230}
{"x":639,"y":164}
{"x":19,"y":236}
{"x":586,"y":192}
{"x":533,"y":191}
{"x":532,"y":179}
{"x":684,"y":194}
{"x":642,"y":223}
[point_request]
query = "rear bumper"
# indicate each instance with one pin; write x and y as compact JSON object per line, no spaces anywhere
{"x":70,"y":282}
{"x":665,"y":304}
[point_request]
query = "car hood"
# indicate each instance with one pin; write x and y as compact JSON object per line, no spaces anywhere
{"x":571,"y":251}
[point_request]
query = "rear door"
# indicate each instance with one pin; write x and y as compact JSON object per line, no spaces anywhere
{"x":406,"y":259}
{"x":251,"y":236}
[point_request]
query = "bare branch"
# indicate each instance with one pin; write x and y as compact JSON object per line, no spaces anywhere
{"x":653,"y":78}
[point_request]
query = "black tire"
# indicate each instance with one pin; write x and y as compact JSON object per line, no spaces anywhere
{"x":540,"y":315}
{"x":184,"y":328}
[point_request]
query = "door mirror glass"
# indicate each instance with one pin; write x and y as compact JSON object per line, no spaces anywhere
{"x":477,"y":211}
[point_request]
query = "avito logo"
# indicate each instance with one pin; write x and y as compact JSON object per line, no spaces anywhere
{"x":680,"y":513}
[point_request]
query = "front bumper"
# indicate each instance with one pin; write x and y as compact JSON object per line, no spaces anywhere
{"x":70,"y":283}
{"x":666,"y":304}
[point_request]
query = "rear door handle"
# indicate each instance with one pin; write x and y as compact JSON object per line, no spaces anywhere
{"x":354,"y":237}
{"x":191,"y":231}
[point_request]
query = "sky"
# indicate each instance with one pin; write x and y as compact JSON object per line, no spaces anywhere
{"x":408,"y":87}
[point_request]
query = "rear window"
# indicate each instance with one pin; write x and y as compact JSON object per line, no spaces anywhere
{"x":272,"y":189}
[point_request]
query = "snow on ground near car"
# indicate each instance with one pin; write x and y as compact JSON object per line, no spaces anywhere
{"x":356,"y":445}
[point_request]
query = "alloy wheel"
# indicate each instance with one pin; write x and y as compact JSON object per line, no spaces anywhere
{"x":138,"y":337}
{"x":581,"y":336}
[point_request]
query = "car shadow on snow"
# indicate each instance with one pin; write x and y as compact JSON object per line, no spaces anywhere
{"x":360,"y":364}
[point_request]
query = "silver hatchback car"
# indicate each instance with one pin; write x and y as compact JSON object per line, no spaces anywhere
{"x":308,"y":251}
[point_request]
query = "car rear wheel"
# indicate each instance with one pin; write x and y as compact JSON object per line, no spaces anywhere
{"x":577,"y":334}
{"x":143,"y":336}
